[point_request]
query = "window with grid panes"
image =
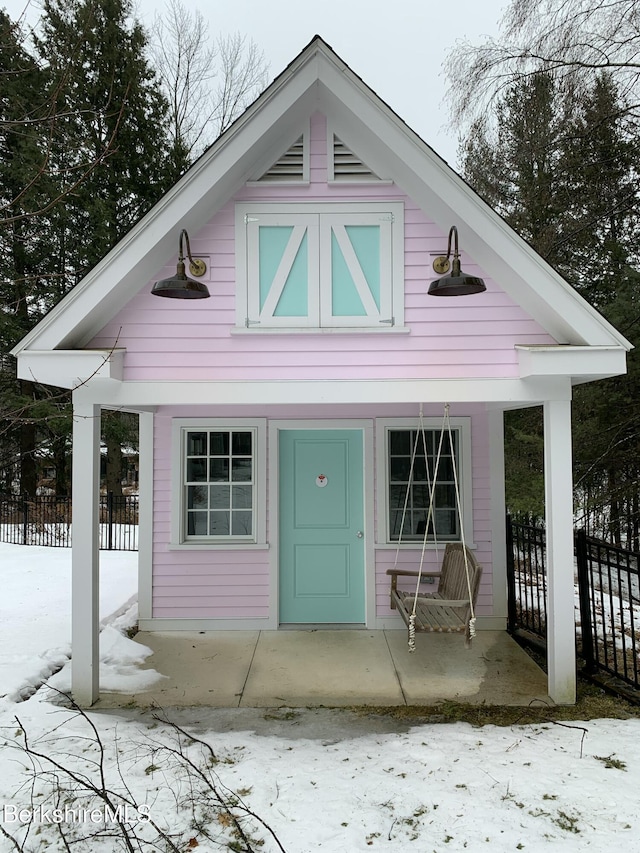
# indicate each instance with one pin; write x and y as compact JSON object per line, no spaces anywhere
{"x":414,"y":488}
{"x":219,"y":483}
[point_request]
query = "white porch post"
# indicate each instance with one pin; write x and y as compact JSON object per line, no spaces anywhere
{"x":145,"y":515}
{"x":498,"y":517}
{"x":558,"y":479}
{"x":85,"y":615}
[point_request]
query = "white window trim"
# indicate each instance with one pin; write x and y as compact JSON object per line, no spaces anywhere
{"x":394,"y":299}
{"x":180,"y":426}
{"x":465,"y":478}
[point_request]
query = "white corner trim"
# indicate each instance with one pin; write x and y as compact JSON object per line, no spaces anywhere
{"x":71,"y":368}
{"x":498,"y":512}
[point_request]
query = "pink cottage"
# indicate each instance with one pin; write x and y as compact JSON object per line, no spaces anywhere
{"x":318,"y":214}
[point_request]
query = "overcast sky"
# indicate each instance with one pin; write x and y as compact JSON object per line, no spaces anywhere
{"x":396,"y":46}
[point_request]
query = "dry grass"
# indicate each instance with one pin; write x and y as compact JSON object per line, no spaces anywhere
{"x":594,"y":701}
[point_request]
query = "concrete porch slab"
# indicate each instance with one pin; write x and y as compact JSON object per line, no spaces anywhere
{"x":322,"y":667}
{"x":332,"y":668}
{"x":495,"y":670}
{"x":198,"y":668}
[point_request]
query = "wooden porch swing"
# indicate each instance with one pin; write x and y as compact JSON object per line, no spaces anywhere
{"x":451,"y":608}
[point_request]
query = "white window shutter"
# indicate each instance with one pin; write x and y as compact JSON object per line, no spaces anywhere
{"x":320,"y":265}
{"x":282,"y":270}
{"x":356,"y":270}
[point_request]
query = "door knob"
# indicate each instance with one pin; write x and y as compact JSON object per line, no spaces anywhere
{"x":359,"y":534}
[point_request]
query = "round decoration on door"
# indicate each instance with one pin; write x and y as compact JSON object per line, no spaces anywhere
{"x":321,"y":481}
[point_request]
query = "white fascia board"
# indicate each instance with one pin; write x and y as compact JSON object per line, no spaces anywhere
{"x":388,"y":146}
{"x":255,"y":395}
{"x":580,"y":363}
{"x":71,"y":368}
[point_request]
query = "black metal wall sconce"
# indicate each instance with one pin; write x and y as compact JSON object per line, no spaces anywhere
{"x":457,"y":283}
{"x":180,"y":286}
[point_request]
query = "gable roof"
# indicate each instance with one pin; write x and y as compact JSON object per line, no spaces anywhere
{"x":318,"y":80}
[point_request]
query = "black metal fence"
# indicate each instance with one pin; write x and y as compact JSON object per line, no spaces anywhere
{"x":607,"y":580}
{"x":526,"y":577}
{"x":46,"y":520}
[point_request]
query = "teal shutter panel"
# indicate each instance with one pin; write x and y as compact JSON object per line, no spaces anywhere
{"x":323,"y":269}
{"x":281,"y":270}
{"x":365,"y":240}
{"x":355,"y":271}
{"x":356,"y":278}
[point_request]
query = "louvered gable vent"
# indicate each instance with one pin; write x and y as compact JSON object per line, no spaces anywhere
{"x":290,"y":167}
{"x":348,"y":167}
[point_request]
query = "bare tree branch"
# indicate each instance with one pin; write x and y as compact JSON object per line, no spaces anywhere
{"x":207,"y":82}
{"x":573,"y":38}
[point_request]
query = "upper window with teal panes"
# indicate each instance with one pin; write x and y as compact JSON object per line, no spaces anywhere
{"x":315,"y":266}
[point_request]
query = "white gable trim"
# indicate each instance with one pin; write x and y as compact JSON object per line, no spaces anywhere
{"x":319,"y":80}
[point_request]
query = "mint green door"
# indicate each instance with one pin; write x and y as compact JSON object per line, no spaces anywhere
{"x":321,"y":526}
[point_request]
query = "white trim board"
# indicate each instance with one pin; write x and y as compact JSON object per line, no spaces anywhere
{"x":327,"y":392}
{"x":158,"y":623}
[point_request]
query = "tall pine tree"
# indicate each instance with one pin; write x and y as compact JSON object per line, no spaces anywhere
{"x":27,"y":186}
{"x":83,"y":156}
{"x":114,"y":133}
{"x":561,"y":166}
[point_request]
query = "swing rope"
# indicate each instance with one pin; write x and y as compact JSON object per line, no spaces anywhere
{"x":431,"y":484}
{"x":446,"y":423}
{"x":420,"y":433}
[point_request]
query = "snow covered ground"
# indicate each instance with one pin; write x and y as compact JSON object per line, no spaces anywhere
{"x":319,"y":780}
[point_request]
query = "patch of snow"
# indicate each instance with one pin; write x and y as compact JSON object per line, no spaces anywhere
{"x":453,"y":788}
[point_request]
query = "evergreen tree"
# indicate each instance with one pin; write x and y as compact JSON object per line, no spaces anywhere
{"x":83,"y":156}
{"x":115,"y":126}
{"x":561,"y":168}
{"x":26,"y":186}
{"x":114,"y":132}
